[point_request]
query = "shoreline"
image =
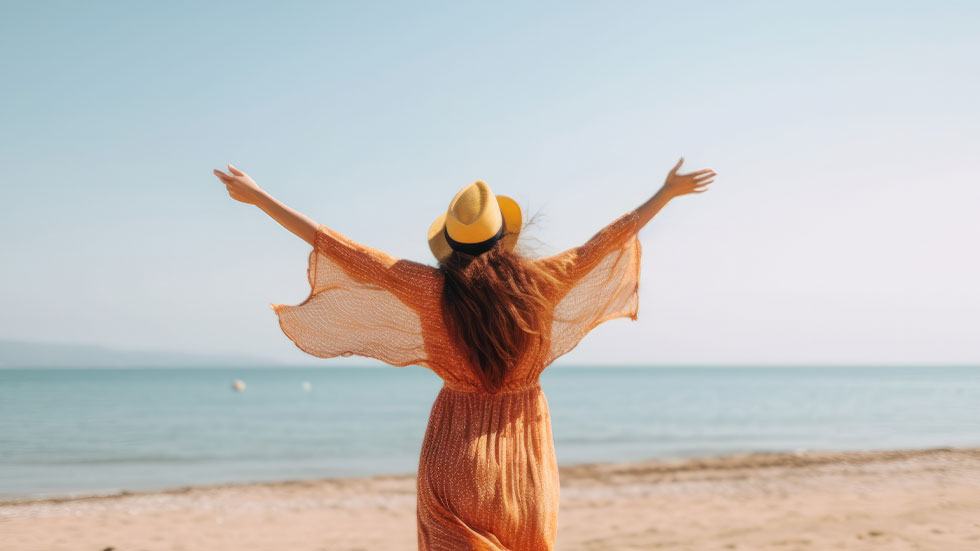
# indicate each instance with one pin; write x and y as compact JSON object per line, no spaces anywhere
{"x":894,"y":499}
{"x":727,"y":461}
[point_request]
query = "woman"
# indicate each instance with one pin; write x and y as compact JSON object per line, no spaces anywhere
{"x":487,"y":321}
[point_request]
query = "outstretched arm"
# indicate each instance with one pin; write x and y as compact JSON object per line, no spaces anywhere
{"x":242,"y":188}
{"x":675,"y":185}
{"x":410,"y":281}
{"x":572,"y":264}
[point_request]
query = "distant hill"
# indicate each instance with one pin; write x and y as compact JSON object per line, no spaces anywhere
{"x":15,"y":353}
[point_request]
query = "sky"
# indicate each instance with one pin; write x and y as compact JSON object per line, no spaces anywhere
{"x":842,"y":227}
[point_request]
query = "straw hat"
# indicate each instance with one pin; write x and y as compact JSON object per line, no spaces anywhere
{"x":474,"y":221}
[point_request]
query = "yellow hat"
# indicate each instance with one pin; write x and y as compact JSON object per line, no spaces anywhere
{"x":474,"y":221}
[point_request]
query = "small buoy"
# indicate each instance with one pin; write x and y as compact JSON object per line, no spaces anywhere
{"x":238,"y":385}
{"x":307,"y":386}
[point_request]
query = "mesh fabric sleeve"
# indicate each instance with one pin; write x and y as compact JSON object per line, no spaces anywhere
{"x":599,"y":282}
{"x":362,"y":302}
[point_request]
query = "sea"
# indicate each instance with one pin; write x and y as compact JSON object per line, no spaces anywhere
{"x":80,"y":431}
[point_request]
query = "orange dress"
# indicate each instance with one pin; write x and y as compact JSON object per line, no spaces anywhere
{"x":487,"y":474}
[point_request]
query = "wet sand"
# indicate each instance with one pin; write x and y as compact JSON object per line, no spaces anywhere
{"x":886,"y":500}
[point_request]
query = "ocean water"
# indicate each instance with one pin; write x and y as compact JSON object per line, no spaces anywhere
{"x":78,"y":431}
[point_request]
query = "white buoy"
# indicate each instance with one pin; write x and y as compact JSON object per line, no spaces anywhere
{"x":307,"y":386}
{"x":238,"y":385}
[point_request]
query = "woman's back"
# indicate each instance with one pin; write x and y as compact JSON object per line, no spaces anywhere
{"x":365,"y":302}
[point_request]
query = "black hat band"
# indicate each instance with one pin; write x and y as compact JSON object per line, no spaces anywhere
{"x":479,"y":247}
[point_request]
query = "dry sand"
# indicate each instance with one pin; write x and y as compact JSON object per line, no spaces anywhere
{"x":920,"y":499}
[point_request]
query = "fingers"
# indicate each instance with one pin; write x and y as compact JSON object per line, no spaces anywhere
{"x":701,"y":186}
{"x":700,"y":172}
{"x":235,"y":171}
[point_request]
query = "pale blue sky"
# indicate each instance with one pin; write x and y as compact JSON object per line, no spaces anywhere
{"x":843,"y":226}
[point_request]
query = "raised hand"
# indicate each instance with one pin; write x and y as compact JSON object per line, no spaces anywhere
{"x":240,"y":186}
{"x":692,"y":182}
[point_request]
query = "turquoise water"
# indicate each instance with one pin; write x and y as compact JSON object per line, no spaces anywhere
{"x":68,"y":431}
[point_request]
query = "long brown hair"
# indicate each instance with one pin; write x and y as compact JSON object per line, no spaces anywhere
{"x":494,"y":303}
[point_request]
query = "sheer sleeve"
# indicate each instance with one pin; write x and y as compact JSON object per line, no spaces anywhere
{"x":362,"y":302}
{"x":599,"y":281}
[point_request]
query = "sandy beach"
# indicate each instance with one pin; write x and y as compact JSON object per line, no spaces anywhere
{"x":895,"y":500}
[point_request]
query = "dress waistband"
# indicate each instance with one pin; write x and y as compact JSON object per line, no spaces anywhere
{"x":521,"y":390}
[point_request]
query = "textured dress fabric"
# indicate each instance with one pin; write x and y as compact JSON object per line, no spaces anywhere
{"x":487,"y":473}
